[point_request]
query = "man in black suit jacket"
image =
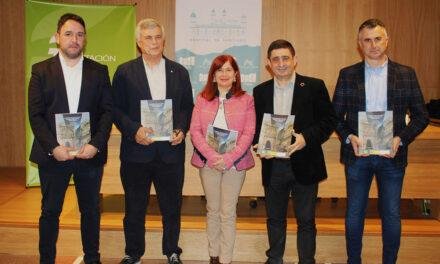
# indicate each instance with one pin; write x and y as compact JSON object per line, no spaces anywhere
{"x":376,"y":84}
{"x":69,"y":83}
{"x":307,"y":98}
{"x":144,"y":161}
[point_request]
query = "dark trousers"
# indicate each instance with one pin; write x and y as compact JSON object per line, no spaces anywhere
{"x":54,"y":182}
{"x":389,"y":180}
{"x":168,"y":182}
{"x":282,"y":184}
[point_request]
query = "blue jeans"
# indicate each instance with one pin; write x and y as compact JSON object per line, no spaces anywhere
{"x":54,"y":182}
{"x":389,"y":180}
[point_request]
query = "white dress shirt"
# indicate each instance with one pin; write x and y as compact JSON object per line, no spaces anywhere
{"x":283,"y":97}
{"x":72,"y":79}
{"x":156,"y":79}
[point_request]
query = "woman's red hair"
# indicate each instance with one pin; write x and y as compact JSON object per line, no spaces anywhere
{"x":210,"y":90}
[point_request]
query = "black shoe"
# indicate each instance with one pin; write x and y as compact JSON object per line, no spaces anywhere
{"x":130,"y":260}
{"x":274,"y":261}
{"x":214,"y":260}
{"x":174,"y":259}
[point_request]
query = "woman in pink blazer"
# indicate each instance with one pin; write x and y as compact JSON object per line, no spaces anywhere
{"x":224,"y":107}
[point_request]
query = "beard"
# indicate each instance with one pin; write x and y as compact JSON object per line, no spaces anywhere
{"x":71,"y":52}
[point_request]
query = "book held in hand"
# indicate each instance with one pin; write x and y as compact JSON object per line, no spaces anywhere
{"x":375,"y":132}
{"x":275,"y":135}
{"x":221,"y":140}
{"x":73,"y":130}
{"x":158,"y":115}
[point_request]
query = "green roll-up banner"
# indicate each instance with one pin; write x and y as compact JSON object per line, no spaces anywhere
{"x":110,"y":40}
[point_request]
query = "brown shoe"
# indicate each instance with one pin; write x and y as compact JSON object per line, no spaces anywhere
{"x":214,"y":260}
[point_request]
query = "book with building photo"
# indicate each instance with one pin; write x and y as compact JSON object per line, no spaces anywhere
{"x":158,"y":115}
{"x":375,"y":132}
{"x":275,"y":135}
{"x":221,"y":140}
{"x":73,"y":130}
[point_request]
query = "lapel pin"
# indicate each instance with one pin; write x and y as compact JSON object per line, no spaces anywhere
{"x":302,"y":84}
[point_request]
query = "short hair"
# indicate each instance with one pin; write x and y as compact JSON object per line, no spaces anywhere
{"x":70,"y":16}
{"x":148,"y":23}
{"x":371,"y":23}
{"x":211,"y":90}
{"x":280,"y":44}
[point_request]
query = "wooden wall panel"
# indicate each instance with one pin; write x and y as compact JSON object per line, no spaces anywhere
{"x":324,"y":33}
{"x":12,"y":98}
{"x":414,"y":29}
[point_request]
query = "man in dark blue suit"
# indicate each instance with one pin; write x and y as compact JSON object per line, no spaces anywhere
{"x":376,"y":84}
{"x":69,"y":83}
{"x":143,"y":160}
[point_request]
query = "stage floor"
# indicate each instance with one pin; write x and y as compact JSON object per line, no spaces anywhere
{"x":20,"y":207}
{"x":20,"y":210}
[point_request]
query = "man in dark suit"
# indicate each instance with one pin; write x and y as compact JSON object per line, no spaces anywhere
{"x":307,"y":98}
{"x":376,"y":84}
{"x":143,"y":160}
{"x":69,"y":83}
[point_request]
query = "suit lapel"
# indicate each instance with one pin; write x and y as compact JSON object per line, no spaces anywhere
{"x":86,"y":75}
{"x":169,"y":79}
{"x":391,"y":82}
{"x":269,"y":94}
{"x":298,"y":92}
{"x":360,"y":80}
{"x":60,"y":84}
{"x":142,"y":79}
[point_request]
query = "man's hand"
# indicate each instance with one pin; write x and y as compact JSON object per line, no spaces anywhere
{"x":265,"y":156}
{"x":356,"y":143}
{"x":299,"y":144}
{"x":262,"y":156}
{"x":177,"y":137}
{"x":87,"y":152}
{"x":61,"y":153}
{"x":142,"y":136}
{"x":394,"y":148}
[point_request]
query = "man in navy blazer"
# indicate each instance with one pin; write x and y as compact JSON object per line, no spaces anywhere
{"x":307,"y":98}
{"x":144,"y":161}
{"x":376,"y":84}
{"x":69,"y":83}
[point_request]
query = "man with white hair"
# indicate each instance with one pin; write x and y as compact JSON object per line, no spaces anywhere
{"x":151,"y":76}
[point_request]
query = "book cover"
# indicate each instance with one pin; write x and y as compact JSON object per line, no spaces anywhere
{"x":158,"y":115}
{"x":73,"y":130}
{"x":375,"y":132}
{"x":222,"y":140}
{"x":275,"y":135}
